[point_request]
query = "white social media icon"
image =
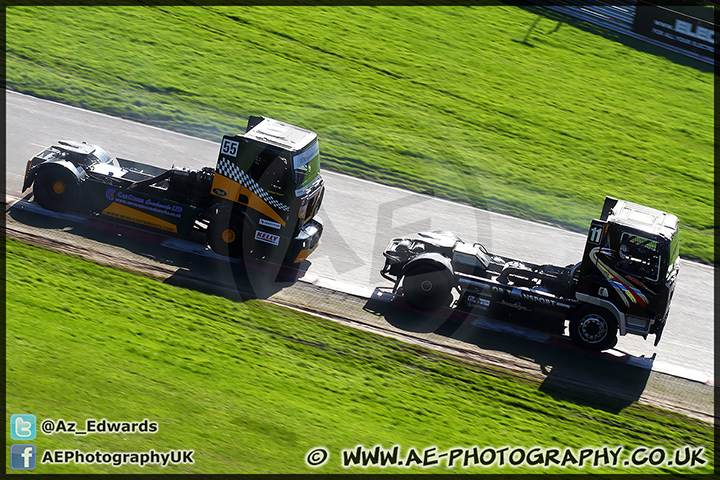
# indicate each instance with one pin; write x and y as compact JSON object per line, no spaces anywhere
{"x":27,"y":455}
{"x":22,"y":428}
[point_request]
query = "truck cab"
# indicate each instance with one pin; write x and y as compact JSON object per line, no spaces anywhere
{"x":269,"y":189}
{"x":630,"y":266}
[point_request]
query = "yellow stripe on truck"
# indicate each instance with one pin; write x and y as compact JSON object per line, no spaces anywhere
{"x":233,"y":190}
{"x":124,"y":212}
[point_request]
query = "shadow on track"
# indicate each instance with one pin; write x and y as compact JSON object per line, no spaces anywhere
{"x":598,"y":379}
{"x":194,"y":266}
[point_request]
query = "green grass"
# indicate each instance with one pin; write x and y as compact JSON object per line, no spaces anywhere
{"x":493,"y":106}
{"x":252,"y":387}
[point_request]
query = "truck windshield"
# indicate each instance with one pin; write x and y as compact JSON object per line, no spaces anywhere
{"x":639,"y":256}
{"x":307,"y":165}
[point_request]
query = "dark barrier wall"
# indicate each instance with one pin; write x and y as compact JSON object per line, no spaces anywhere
{"x":675,"y":28}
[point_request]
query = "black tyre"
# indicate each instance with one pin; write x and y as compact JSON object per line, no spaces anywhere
{"x":224,"y":235}
{"x":427,"y":286}
{"x":594,"y":328}
{"x":56,"y":189}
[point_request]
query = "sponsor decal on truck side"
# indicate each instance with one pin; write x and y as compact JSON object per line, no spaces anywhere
{"x":124,"y":212}
{"x":267,"y":237}
{"x":269,"y":223}
{"x":143,"y":203}
{"x":474,"y":301}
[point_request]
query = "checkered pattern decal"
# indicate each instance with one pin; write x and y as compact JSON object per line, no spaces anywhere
{"x":232,"y":171}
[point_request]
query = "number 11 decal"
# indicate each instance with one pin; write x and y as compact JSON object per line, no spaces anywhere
{"x":595,"y":234}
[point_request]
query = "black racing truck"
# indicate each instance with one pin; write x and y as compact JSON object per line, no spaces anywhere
{"x":261,"y":200}
{"x":624,"y":283}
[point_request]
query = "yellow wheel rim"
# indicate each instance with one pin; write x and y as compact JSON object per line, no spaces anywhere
{"x":228,"y":236}
{"x":59,"y":187}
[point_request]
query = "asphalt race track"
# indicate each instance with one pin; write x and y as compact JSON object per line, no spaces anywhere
{"x":361,"y":217}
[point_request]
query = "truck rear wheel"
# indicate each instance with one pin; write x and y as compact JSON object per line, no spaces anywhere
{"x":56,"y":189}
{"x":594,"y":328}
{"x":224,"y":235}
{"x":427,"y":287}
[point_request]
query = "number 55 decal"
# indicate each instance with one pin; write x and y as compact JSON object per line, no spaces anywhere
{"x":229,"y":147}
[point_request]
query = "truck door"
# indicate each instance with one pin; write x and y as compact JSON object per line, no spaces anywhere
{"x":256,"y":176}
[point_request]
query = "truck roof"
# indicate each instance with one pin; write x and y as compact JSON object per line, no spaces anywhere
{"x":650,"y":220}
{"x":284,"y":135}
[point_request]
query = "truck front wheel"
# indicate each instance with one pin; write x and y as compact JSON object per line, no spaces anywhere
{"x":594,"y":328}
{"x":426,"y":287}
{"x":224,"y":235}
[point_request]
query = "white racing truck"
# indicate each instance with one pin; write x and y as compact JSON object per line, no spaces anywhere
{"x":624,"y":283}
